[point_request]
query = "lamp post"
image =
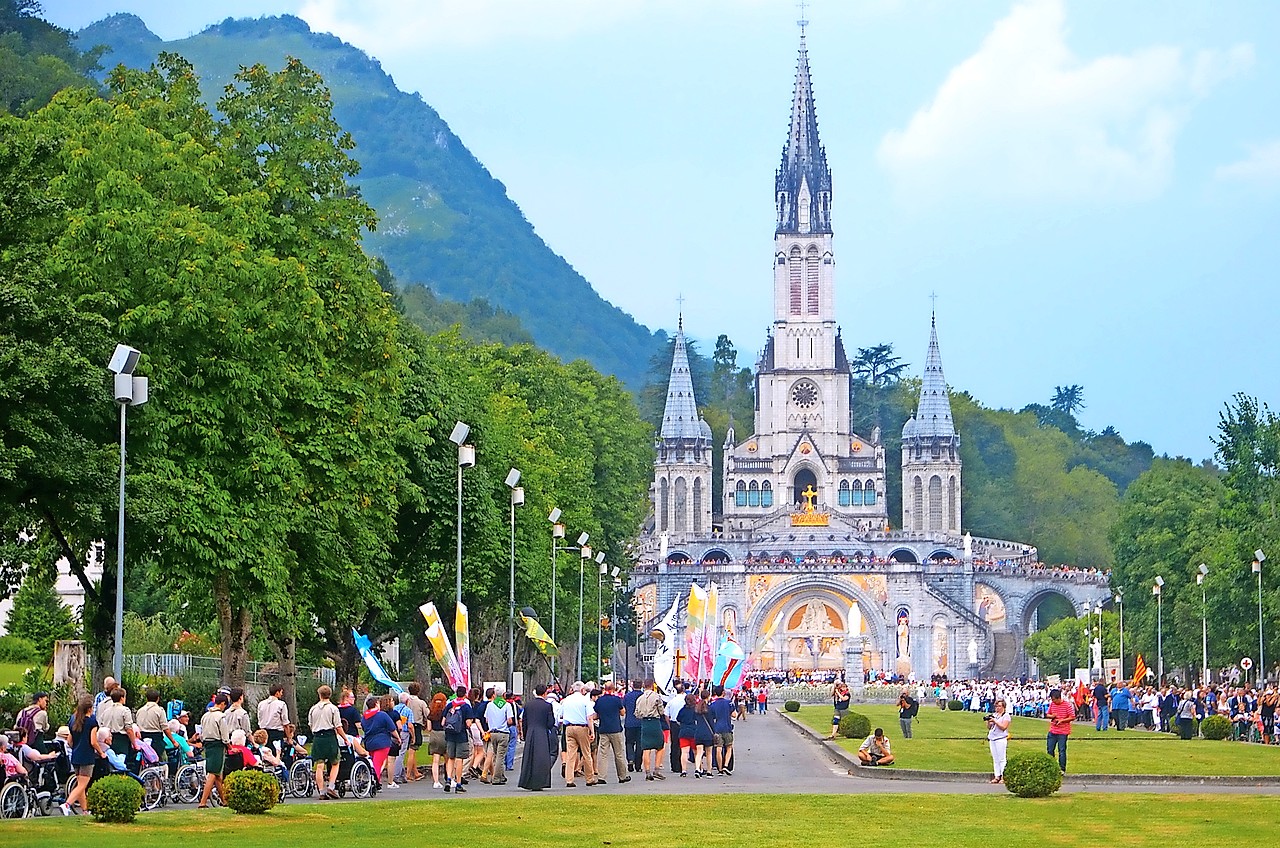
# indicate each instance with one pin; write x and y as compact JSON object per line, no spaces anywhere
{"x":517,"y":499}
{"x":130,"y":391}
{"x":1102,"y":660}
{"x":613,"y":623}
{"x":1156,"y":590}
{"x":585,"y":552}
{"x":1258,"y":559}
{"x":604,"y":570}
{"x":1119,"y":599}
{"x":1204,"y":625}
{"x":466,"y":459}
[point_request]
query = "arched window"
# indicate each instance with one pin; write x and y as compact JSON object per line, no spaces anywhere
{"x":664,"y":506}
{"x":741,"y":494}
{"x":917,"y":504}
{"x":842,"y":497}
{"x":953,"y":504}
{"x":869,"y":493}
{"x":753,"y":494}
{"x":811,"y":280}
{"x":697,"y":504}
{"x":795,"y":271}
{"x":857,"y":493}
{"x":935,"y":503}
{"x":766,"y":494}
{"x":679,"y":523}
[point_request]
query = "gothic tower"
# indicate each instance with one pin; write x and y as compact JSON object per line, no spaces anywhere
{"x":682,"y":470}
{"x":931,"y":454}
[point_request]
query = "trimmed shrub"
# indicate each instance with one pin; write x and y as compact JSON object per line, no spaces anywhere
{"x":1215,"y":727}
{"x":115,"y":798}
{"x":250,"y":791}
{"x":1032,"y":775}
{"x":854,"y":726}
{"x":792,"y":706}
{"x":15,"y":649}
{"x":955,"y":705}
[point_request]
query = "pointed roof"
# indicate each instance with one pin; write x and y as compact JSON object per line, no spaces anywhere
{"x":680,"y":417}
{"x":804,"y":160}
{"x":933,"y":415}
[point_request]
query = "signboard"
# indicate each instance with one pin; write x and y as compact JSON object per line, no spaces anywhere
{"x":1246,"y":663}
{"x":1083,"y":677}
{"x":1112,"y":670}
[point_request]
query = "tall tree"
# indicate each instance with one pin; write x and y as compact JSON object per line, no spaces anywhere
{"x":1068,"y":399}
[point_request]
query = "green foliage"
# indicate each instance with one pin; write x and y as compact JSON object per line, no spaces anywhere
{"x":1060,"y":647}
{"x":1032,"y":775}
{"x":854,"y":726}
{"x":250,"y":791}
{"x":478,"y":319}
{"x":447,"y":223}
{"x":37,"y":59}
{"x":1215,"y":727}
{"x":955,"y":705}
{"x":792,"y":706}
{"x":115,"y":799}
{"x":38,"y":614}
{"x":15,"y":649}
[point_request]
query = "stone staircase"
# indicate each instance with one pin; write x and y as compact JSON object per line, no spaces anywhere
{"x":1007,"y":660}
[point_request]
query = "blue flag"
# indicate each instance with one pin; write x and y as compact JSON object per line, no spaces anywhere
{"x":365,"y":647}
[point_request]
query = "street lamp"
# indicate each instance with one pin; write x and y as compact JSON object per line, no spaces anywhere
{"x":1204,"y":625}
{"x":613,"y":622}
{"x":1258,"y":559}
{"x":1156,"y":590}
{"x":517,"y":499}
{"x":585,"y":552}
{"x":1102,"y":663}
{"x":466,"y":459}
{"x":130,"y":390}
{"x":1120,"y":609}
{"x":604,"y":570}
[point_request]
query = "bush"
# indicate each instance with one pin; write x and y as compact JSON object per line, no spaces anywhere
{"x":1215,"y":727}
{"x":955,"y":705}
{"x":115,"y":798}
{"x":792,"y":706}
{"x":15,"y":649}
{"x":250,"y":791}
{"x":1032,"y":775}
{"x":854,"y":726}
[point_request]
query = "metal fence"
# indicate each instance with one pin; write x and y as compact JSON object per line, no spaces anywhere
{"x":186,"y":665}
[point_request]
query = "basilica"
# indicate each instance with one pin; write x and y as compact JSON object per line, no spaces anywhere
{"x":811,"y":572}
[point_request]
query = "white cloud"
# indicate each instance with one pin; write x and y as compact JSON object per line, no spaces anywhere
{"x":1260,"y":168}
{"x":1024,"y":117}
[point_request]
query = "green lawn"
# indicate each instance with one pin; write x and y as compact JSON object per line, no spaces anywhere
{"x":11,"y":673}
{"x":956,"y":741}
{"x":777,"y":821}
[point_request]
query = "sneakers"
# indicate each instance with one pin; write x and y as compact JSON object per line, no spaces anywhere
{"x":436,"y":785}
{"x":648,"y":776}
{"x":657,"y":775}
{"x":392,"y":785}
{"x":459,"y":789}
{"x":626,"y":779}
{"x":448,"y":787}
{"x":65,"y":810}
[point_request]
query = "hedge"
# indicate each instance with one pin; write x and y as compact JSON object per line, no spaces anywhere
{"x":115,"y":798}
{"x":1032,"y":775}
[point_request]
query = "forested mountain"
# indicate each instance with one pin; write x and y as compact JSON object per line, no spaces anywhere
{"x":445,"y":221}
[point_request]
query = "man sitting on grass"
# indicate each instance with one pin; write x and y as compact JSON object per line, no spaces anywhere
{"x":874,"y":750}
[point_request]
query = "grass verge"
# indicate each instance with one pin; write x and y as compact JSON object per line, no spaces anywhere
{"x":956,"y":741}
{"x":779,"y":821}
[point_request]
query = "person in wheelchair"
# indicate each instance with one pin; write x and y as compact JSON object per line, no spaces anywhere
{"x":40,"y":767}
{"x":239,"y":755}
{"x":111,"y":762}
{"x":13,"y":767}
{"x":268,"y":760}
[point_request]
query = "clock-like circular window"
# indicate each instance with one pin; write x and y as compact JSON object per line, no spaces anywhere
{"x":805,"y":394}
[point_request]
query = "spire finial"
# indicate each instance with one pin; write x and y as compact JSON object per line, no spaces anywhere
{"x":933,"y":311}
{"x":802,"y":22}
{"x":680,"y":311}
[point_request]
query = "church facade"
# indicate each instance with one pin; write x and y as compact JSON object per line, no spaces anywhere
{"x":810,"y":573}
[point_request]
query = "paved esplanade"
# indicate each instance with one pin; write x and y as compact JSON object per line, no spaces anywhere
{"x":771,"y":757}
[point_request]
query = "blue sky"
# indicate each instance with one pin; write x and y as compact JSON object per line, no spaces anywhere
{"x":1092,"y":189}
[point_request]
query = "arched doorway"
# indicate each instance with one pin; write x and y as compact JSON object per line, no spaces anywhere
{"x":803,"y":480}
{"x":1047,"y":608}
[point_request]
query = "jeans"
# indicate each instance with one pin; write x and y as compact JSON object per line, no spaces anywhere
{"x":1058,"y":741}
{"x":632,"y":735}
{"x":1102,"y":716}
{"x":510,"y":761}
{"x":905,"y":724}
{"x":1122,"y":718}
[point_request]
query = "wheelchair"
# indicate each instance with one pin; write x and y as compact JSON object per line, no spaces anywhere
{"x":355,"y":775}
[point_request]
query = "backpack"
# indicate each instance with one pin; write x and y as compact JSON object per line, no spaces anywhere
{"x":173,"y":709}
{"x":454,"y":721}
{"x":27,"y":721}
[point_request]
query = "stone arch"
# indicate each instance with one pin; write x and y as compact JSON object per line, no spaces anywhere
{"x":804,"y":475}
{"x":719,"y":554}
{"x":904,"y":555}
{"x":676,"y":557}
{"x":680,"y":506}
{"x":942,"y":554}
{"x":821,"y":586}
{"x":1032,"y":602}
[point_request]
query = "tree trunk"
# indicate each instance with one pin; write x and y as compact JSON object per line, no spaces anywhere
{"x":422,"y":654}
{"x":286,"y":650}
{"x":234,"y":624}
{"x":346,"y":658}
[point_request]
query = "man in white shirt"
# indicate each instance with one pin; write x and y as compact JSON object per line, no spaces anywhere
{"x":576,"y":713}
{"x":273,"y":715}
{"x":674,"y":705}
{"x":500,"y":718}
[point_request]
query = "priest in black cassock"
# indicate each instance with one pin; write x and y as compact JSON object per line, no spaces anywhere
{"x":539,"y":742}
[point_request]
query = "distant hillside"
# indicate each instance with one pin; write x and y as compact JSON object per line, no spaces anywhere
{"x":445,"y":221}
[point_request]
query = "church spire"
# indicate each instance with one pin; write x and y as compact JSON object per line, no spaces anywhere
{"x":933,"y":416}
{"x":803,"y":182}
{"x":680,"y":417}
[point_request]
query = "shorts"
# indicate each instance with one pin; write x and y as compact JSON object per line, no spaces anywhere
{"x":215,"y":755}
{"x":436,"y":745}
{"x":686,"y":742}
{"x":415,"y":741}
{"x":325,"y":748}
{"x":458,"y":749}
{"x":724,"y":739}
